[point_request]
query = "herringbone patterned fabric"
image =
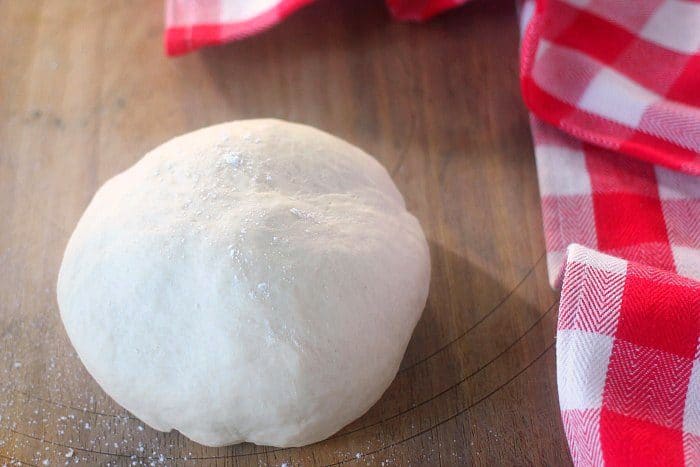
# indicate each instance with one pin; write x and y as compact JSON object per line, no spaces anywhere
{"x":628,"y":362}
{"x":595,"y":75}
{"x":615,"y":204}
{"x":621,"y":75}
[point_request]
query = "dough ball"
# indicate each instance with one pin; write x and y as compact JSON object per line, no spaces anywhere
{"x":251,"y":281}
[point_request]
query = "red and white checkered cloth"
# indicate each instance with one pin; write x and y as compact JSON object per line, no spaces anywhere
{"x":624,"y":75}
{"x":614,"y":91}
{"x":615,"y":204}
{"x":618,"y":85}
{"x":192,"y":24}
{"x":628,"y":362}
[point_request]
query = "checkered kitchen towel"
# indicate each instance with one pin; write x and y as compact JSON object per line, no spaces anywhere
{"x":614,"y":91}
{"x":192,"y":24}
{"x":614,"y":88}
{"x":612,"y":80}
{"x":628,"y":370}
{"x":618,"y":74}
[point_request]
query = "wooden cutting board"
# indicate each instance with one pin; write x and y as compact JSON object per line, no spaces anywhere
{"x":85,"y":91}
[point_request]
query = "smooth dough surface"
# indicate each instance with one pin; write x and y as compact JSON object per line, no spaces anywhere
{"x":251,"y":281}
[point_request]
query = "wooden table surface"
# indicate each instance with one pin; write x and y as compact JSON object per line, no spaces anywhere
{"x":85,"y":91}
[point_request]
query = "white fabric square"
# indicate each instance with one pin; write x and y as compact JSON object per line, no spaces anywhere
{"x":687,"y":261}
{"x":600,"y":261}
{"x":691,"y":414}
{"x":582,"y":365}
{"x":233,"y":11}
{"x":676,"y":26}
{"x":542,"y":47}
{"x":561,"y":170}
{"x":676,"y":185}
{"x":616,"y":97}
{"x":526,"y":12}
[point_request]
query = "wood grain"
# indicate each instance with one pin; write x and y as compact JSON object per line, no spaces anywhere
{"x":85,"y":91}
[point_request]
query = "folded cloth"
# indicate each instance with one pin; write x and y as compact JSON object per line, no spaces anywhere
{"x":618,"y":74}
{"x":613,"y":87}
{"x":628,"y":363}
{"x":190,"y":24}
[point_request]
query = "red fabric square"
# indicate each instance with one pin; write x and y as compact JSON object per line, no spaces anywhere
{"x":552,"y":109}
{"x":556,"y":16}
{"x":686,"y":89}
{"x":652,"y":66}
{"x":628,"y":219}
{"x":611,"y":172}
{"x":592,"y":35}
{"x":647,"y":384}
{"x":627,"y":441}
{"x":661,"y":315}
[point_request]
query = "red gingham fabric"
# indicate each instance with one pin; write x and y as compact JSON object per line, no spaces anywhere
{"x":621,"y":75}
{"x":606,"y":80}
{"x":614,"y":91}
{"x":615,"y":204}
{"x":628,"y":362}
{"x":192,"y":24}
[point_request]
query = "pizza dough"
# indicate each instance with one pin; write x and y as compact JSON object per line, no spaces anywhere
{"x":251,"y":281}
